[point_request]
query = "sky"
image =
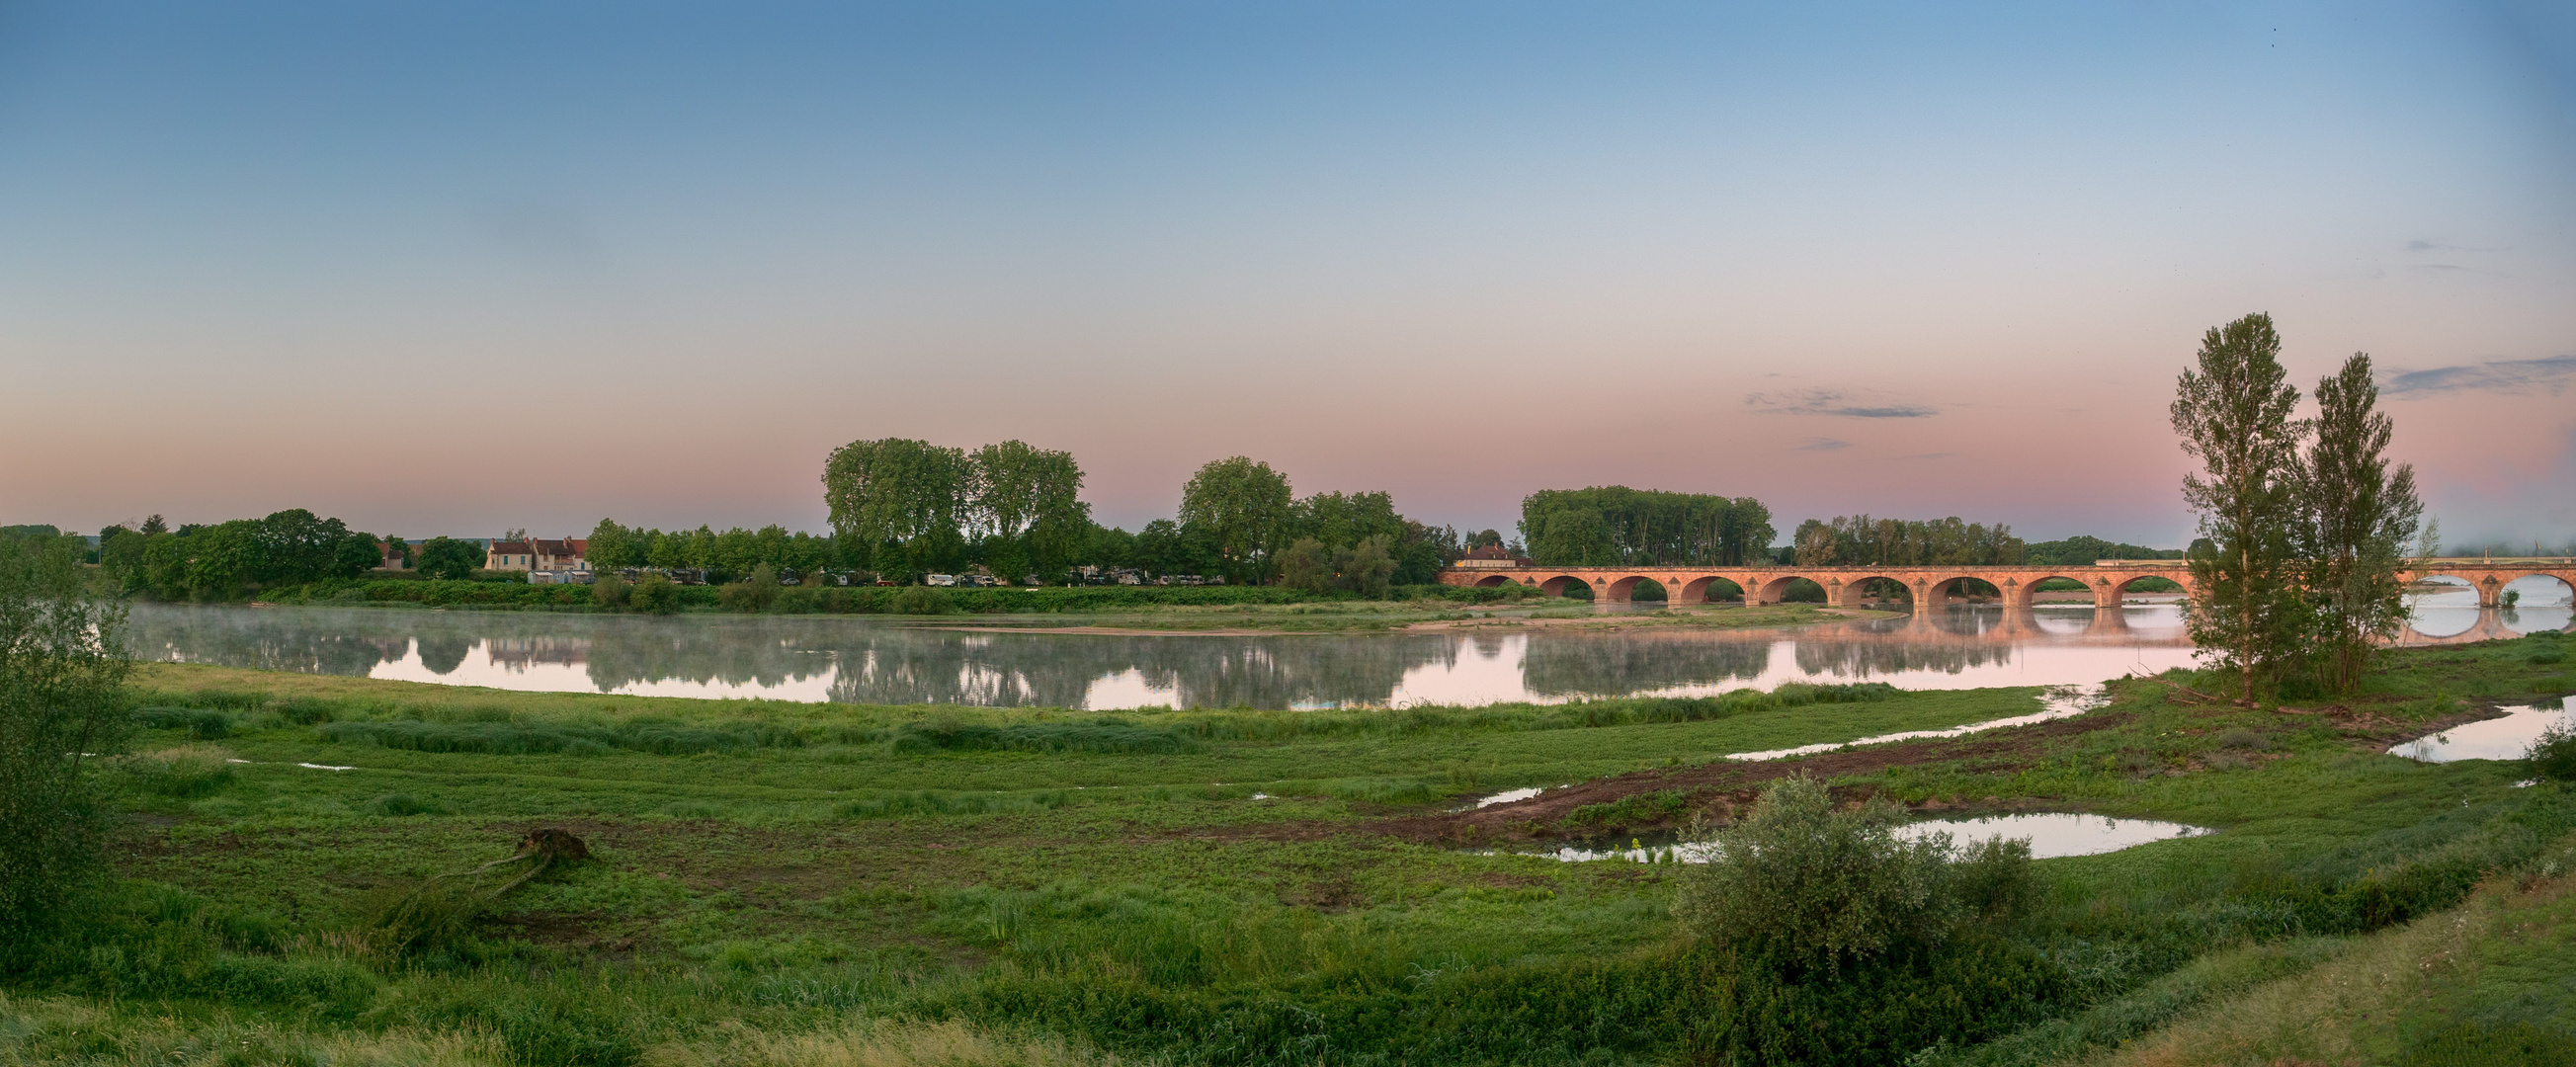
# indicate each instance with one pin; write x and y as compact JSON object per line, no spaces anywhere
{"x":457,"y":268}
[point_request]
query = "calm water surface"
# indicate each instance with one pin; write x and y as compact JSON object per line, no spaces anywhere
{"x":864,"y":660}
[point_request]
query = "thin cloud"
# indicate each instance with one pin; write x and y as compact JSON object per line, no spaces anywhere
{"x":1821,"y":444}
{"x":2513,"y":376}
{"x":1832,"y":402}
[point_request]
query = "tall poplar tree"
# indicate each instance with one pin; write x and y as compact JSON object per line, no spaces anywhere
{"x":2361,"y":518}
{"x":2232,"y":412}
{"x":899,"y":493}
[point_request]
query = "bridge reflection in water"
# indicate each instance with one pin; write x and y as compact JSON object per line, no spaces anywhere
{"x":857,"y":660}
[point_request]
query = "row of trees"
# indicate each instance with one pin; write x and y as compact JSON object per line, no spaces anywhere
{"x":733,"y":552}
{"x":901,"y":508}
{"x":906,"y":507}
{"x":1862,"y":540}
{"x":227,"y":560}
{"x":1611,"y":525}
{"x":2304,"y":524}
{"x":2082,"y":549}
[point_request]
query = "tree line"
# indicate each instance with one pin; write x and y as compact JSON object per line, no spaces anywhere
{"x":901,"y":508}
{"x":1864,"y":541}
{"x":1614,"y":525}
{"x":2304,"y":524}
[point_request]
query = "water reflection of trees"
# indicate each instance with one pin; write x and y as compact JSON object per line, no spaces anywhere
{"x":873,"y":662}
{"x":919,"y":666}
{"x":1561,"y":664}
{"x":262,"y":639}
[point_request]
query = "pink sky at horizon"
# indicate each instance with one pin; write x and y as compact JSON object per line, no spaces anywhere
{"x":460,"y":270}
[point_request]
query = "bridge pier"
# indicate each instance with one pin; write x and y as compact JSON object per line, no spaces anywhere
{"x":2490,"y":593}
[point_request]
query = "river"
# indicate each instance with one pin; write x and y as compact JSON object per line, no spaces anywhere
{"x":878,"y":661}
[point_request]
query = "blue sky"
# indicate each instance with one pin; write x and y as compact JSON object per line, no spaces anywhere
{"x":454,"y":268}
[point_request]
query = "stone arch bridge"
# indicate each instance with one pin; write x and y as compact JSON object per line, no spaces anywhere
{"x":2108,"y":580}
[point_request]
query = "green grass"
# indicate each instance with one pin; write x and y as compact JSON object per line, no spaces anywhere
{"x":796,"y":881}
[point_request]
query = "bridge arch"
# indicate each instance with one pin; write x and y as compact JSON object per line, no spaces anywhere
{"x":1491,"y":581}
{"x":1710,"y":589}
{"x":2542,"y":588}
{"x":1561,"y":584}
{"x":2027,"y":593}
{"x":1857,"y":591}
{"x":1934,"y":592}
{"x":1620,"y":590}
{"x":2120,"y":589}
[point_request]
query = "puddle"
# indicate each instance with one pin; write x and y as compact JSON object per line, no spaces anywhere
{"x":2055,"y":834}
{"x":2505,"y":738}
{"x":2057,"y":703}
{"x":1510,"y":796}
{"x":325,"y":767}
{"x":2052,"y":835}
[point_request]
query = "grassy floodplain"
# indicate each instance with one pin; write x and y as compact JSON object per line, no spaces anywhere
{"x":791,"y":883}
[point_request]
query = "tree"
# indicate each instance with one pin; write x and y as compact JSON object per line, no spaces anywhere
{"x":899,"y":493}
{"x":1306,"y":566}
{"x":62,"y":676}
{"x":2360,"y":518}
{"x":613,"y":547}
{"x":1243,"y":507}
{"x":1369,"y":566}
{"x":154,"y":525}
{"x":1027,"y":502}
{"x":447,"y":557}
{"x":2232,"y":412}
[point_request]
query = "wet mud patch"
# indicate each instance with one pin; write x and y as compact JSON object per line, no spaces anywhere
{"x":1715,"y":789}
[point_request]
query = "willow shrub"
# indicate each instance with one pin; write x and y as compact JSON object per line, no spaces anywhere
{"x":62,"y":700}
{"x":1845,"y":943}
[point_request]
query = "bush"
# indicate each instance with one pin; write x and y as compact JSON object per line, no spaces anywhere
{"x":610,"y":591}
{"x":399,"y":804}
{"x":655,"y":594}
{"x":2552,"y":755}
{"x":1806,"y":889}
{"x":62,"y":698}
{"x":922,"y":600}
{"x":201,"y":724}
{"x":183,"y":772}
{"x":516,"y":739}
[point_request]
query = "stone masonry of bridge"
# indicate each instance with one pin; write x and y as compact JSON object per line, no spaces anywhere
{"x":2108,"y":580}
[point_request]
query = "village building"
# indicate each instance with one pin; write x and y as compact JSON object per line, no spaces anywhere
{"x":562,"y":560}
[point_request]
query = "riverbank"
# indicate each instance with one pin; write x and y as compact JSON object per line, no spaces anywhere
{"x":775,"y":881}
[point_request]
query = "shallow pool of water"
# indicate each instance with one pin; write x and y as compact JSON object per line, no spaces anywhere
{"x":2057,"y":703}
{"x":2057,"y":833}
{"x":2051,"y":835}
{"x":2506,"y":738}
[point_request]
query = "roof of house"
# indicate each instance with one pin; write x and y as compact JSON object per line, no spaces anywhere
{"x":570,"y":546}
{"x":510,"y":548}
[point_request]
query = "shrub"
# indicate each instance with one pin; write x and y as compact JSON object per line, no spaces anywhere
{"x":2552,"y":755}
{"x":186,"y":771}
{"x":400,"y":804}
{"x":62,"y":697}
{"x":922,"y":600}
{"x":655,"y":594}
{"x":1102,"y":735}
{"x":755,"y":593}
{"x":519,"y":739}
{"x":200,"y":723}
{"x":1804,"y":889}
{"x":610,"y":591}
{"x":2240,"y":737}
